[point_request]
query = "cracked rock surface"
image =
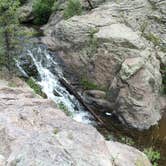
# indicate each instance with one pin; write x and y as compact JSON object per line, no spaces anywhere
{"x":33,"y":132}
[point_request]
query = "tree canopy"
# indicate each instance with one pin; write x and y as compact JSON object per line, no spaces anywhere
{"x":9,"y":30}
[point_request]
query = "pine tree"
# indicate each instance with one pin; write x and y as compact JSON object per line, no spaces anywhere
{"x":9,"y":33}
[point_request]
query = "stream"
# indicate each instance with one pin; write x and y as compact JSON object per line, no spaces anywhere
{"x":49,"y":71}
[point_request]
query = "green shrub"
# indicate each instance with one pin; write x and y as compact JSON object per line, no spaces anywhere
{"x":55,"y":6}
{"x":73,"y":8}
{"x":64,"y":109}
{"x":93,"y":43}
{"x":153,"y":38}
{"x":88,"y":85}
{"x":56,"y":130}
{"x":127,"y":140}
{"x":42,"y":10}
{"x":37,"y":89}
{"x":153,"y":156}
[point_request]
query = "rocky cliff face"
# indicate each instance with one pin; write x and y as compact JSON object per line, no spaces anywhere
{"x":34,"y":132}
{"x":119,"y":46}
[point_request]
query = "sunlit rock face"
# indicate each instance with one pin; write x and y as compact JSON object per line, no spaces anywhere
{"x":34,"y":132}
{"x":120,"y":46}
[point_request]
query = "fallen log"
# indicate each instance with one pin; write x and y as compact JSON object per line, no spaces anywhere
{"x":70,"y":89}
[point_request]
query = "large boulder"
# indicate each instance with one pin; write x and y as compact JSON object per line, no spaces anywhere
{"x":135,"y":93}
{"x":122,"y":152}
{"x":34,"y":132}
{"x":25,"y":12}
{"x":119,"y":46}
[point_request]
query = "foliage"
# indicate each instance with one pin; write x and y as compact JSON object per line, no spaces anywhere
{"x":42,"y":10}
{"x":12,"y":84}
{"x":64,"y":109}
{"x":9,"y":33}
{"x":93,"y":43}
{"x":88,"y":85}
{"x":73,"y":8}
{"x":56,"y":6}
{"x":153,"y":156}
{"x":110,"y":137}
{"x":153,"y":38}
{"x":32,"y":83}
{"x":22,"y":1}
{"x":127,"y":140}
{"x":56,"y":130}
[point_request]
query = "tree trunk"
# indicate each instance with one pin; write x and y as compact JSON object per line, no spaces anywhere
{"x":79,"y":98}
{"x":7,"y":51}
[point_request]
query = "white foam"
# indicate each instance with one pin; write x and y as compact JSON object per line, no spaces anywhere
{"x":50,"y":83}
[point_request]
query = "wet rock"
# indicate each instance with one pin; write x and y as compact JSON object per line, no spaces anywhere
{"x":56,"y":93}
{"x":27,"y":64}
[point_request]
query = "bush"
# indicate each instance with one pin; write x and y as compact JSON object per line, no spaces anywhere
{"x":153,"y":38}
{"x":153,"y":156}
{"x":42,"y":10}
{"x":89,"y":85}
{"x":73,"y":8}
{"x":64,"y":109}
{"x":37,"y":89}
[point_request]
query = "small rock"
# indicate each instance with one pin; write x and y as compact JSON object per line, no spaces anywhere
{"x":124,"y":155}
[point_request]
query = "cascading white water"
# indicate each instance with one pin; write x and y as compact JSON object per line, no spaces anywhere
{"x":50,"y":83}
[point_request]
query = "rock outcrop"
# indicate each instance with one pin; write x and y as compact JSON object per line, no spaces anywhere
{"x":26,"y":12}
{"x":34,"y":132}
{"x":119,"y":46}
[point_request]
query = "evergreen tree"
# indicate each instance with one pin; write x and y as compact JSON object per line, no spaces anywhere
{"x":9,"y":33}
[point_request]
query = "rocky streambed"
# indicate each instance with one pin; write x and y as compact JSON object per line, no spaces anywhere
{"x":113,"y":56}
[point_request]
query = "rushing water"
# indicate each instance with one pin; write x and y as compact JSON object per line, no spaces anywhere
{"x":51,"y":86}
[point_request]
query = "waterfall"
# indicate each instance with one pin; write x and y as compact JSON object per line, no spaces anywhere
{"x":49,"y":82}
